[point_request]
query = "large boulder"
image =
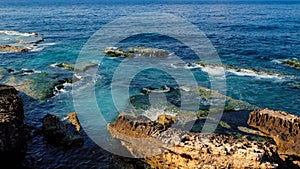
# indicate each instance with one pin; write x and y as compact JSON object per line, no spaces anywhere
{"x":283,"y":127}
{"x":11,"y":120}
{"x":164,"y":146}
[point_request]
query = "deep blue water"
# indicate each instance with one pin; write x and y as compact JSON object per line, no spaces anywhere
{"x":250,"y":35}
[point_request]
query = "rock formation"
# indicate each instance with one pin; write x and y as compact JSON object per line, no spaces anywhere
{"x":57,"y":132}
{"x":24,"y":41}
{"x":292,"y":63}
{"x":134,"y":51}
{"x":12,"y":48}
{"x":74,"y":120}
{"x":282,"y":127}
{"x":11,"y":120}
{"x":168,"y":147}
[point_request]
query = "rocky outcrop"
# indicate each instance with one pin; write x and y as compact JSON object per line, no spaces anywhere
{"x":72,"y":117}
{"x":78,"y":67}
{"x":56,"y":132}
{"x":283,"y":127}
{"x":24,"y":41}
{"x":168,"y":147}
{"x":292,"y":63}
{"x":134,"y":51}
{"x":11,"y":120}
{"x":12,"y":48}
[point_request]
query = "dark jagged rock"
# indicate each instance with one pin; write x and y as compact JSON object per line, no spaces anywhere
{"x":169,"y":147}
{"x":57,"y":132}
{"x":11,"y":120}
{"x":283,"y":127}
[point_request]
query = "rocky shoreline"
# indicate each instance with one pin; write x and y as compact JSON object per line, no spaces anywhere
{"x":24,"y":41}
{"x":163,"y":146}
{"x":160,"y":142}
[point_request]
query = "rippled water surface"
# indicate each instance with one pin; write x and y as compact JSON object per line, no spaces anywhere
{"x":252,"y":35}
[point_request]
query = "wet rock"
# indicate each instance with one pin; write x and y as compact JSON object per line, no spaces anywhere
{"x":78,"y":67}
{"x":56,"y":132}
{"x":24,"y":41}
{"x":134,"y":51}
{"x":146,"y":51}
{"x":11,"y":120}
{"x":283,"y":127}
{"x":115,"y":52}
{"x":292,"y":63}
{"x":169,"y":147}
{"x":12,"y":48}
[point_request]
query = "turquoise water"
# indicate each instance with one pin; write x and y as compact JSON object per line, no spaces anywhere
{"x":251,"y":35}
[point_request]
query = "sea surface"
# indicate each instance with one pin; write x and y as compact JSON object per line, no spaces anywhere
{"x":255,"y":37}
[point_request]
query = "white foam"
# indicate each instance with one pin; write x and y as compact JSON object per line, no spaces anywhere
{"x":54,"y":64}
{"x":17,"y":33}
{"x":36,"y":49}
{"x":219,"y":71}
{"x":276,"y":61}
{"x":153,"y":113}
{"x":48,"y":44}
{"x":251,"y":73}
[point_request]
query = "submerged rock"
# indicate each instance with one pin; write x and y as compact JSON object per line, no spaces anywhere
{"x":207,"y":98}
{"x":57,"y":132}
{"x":11,"y":120}
{"x":38,"y":85}
{"x":78,"y":67}
{"x":284,"y":128}
{"x":163,"y":146}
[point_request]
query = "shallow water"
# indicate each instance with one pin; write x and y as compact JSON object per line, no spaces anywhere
{"x":250,"y":35}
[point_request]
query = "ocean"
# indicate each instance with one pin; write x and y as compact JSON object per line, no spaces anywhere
{"x":254,"y":37}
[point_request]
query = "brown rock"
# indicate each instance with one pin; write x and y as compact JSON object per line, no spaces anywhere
{"x":166,"y":147}
{"x":165,"y":119}
{"x":11,"y":48}
{"x":284,"y":128}
{"x":74,"y":120}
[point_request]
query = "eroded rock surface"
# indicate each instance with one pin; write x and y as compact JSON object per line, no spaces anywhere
{"x":283,"y":127}
{"x":169,"y":147}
